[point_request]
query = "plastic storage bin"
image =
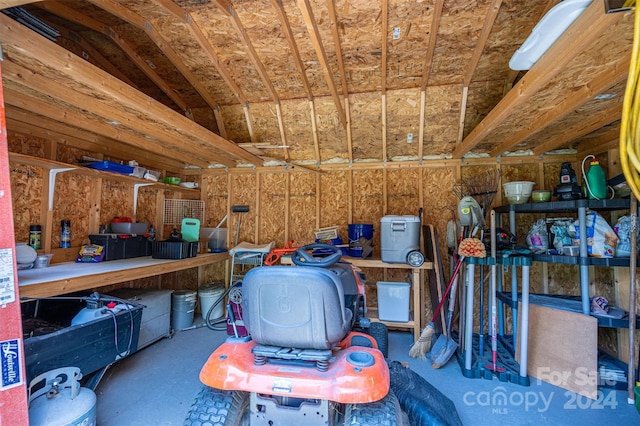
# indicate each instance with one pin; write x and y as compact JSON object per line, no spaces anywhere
{"x":400,"y":240}
{"x":129,"y":228}
{"x":109,"y":166}
{"x":173,"y":249}
{"x":121,"y":246}
{"x":393,"y":301}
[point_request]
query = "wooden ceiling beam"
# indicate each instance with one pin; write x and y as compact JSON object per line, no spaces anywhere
{"x":25,"y":45}
{"x":489,"y":20}
{"x":186,"y":18}
{"x":579,"y":37}
{"x":160,"y":41}
{"x":41,"y":128}
{"x":86,"y":21}
{"x":316,"y":40}
{"x":601,"y":143}
{"x":20,"y":100}
{"x":108,"y":111}
{"x":338,"y":44}
{"x":608,"y":78}
{"x":293,"y":46}
{"x":581,"y":128}
{"x":431,"y":46}
{"x":228,"y":9}
{"x":4,"y":4}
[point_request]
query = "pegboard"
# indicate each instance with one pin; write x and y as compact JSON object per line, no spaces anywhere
{"x":175,"y":210}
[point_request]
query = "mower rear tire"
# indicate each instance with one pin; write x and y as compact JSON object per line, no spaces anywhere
{"x":380,"y":333}
{"x":215,"y":407}
{"x":386,"y":412}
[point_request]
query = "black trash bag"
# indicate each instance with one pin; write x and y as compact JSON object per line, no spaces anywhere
{"x":421,"y":401}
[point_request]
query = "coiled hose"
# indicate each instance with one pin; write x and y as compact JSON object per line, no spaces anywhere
{"x":629,"y":128}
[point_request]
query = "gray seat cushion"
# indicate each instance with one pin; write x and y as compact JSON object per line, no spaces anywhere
{"x":295,"y":306}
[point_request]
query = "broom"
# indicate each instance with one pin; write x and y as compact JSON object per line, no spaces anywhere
{"x":469,"y":247}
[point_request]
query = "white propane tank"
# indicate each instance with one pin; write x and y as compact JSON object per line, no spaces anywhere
{"x":60,"y":401}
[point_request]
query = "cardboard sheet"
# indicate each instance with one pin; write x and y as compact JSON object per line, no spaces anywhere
{"x":563,"y":348}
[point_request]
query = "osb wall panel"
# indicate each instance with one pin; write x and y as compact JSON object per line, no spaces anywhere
{"x":116,"y":201}
{"x":302,"y":207}
{"x":440,"y":204}
{"x":27,"y":187}
{"x":360,"y":39}
{"x":403,"y":117}
{"x":442,"y":114}
{"x":334,"y":201}
{"x":406,"y":54}
{"x":215,"y":198}
{"x":235,"y":123}
{"x":146,"y":210}
{"x":368,"y":203}
{"x":366,"y":113}
{"x":72,"y":195}
{"x":332,"y":135}
{"x":265,"y":123}
{"x":24,"y":144}
{"x":296,"y":115}
{"x":403,"y":192}
{"x":481,"y":98}
{"x":243,"y":188}
{"x":273,"y":189}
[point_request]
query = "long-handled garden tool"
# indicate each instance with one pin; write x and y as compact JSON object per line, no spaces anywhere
{"x":470,"y":215}
{"x":493,"y":303}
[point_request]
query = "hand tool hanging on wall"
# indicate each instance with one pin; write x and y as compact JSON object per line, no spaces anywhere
{"x":239,"y":209}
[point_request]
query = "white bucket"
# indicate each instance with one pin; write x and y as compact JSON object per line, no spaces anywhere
{"x":209,"y":293}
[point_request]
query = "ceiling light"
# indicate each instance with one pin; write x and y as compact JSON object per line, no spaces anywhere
{"x":546,"y":32}
{"x":605,"y":96}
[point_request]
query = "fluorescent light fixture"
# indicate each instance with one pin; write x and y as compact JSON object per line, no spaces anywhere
{"x":546,"y":32}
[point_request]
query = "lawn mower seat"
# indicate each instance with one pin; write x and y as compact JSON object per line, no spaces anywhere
{"x":300,"y":307}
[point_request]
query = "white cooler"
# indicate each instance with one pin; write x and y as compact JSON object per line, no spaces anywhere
{"x":400,"y":240}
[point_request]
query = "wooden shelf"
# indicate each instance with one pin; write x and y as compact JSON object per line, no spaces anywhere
{"x":57,"y":165}
{"x":68,"y":277}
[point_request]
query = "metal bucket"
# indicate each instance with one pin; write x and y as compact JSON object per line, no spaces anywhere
{"x":183,"y":306}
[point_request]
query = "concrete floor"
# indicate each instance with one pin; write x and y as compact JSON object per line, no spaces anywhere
{"x":157,"y":385}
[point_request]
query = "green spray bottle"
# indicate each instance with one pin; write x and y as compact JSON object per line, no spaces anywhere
{"x":596,"y":181}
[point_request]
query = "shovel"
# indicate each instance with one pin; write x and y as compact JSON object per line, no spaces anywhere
{"x":445,"y":346}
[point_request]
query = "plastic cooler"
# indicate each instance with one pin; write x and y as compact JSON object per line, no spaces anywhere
{"x":399,"y":236}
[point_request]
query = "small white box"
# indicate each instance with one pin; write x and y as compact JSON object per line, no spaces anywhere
{"x":393,"y":301}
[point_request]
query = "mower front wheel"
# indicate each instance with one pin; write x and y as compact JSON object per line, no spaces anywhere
{"x":386,"y":412}
{"x":214,"y":407}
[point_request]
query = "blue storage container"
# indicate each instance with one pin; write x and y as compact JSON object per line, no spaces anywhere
{"x":109,"y":166}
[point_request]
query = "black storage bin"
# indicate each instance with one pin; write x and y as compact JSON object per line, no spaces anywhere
{"x":51,"y":342}
{"x":121,"y":246}
{"x":173,"y":249}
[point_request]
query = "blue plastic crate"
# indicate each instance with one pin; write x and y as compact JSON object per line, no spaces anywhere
{"x":109,"y":166}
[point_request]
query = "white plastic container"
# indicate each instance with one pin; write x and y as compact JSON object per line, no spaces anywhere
{"x":208,"y":294}
{"x":393,"y":301}
{"x":399,"y":236}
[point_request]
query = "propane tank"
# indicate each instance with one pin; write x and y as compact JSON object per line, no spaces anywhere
{"x":94,"y":310}
{"x":60,"y":401}
{"x":596,"y":181}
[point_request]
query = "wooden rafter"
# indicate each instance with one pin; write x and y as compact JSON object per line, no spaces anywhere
{"x":482,"y":41}
{"x":38,"y":126}
{"x":228,"y":9}
{"x":175,"y":10}
{"x":13,"y":3}
{"x":163,"y":44}
{"x":431,"y":47}
{"x":73,"y":118}
{"x":590,"y":25}
{"x":74,"y":16}
{"x":314,"y":33}
{"x":293,"y":46}
{"x":594,"y":122}
{"x":338,"y":44}
{"x":24,"y":45}
{"x":609,"y":77}
{"x":383,"y":75}
{"x":610,"y":139}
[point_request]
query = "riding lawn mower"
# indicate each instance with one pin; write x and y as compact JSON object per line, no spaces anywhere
{"x":311,"y":356}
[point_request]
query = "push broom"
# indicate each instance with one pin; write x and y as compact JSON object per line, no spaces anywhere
{"x":470,"y":214}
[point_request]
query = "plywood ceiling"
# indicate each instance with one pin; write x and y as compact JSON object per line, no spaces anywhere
{"x":312,"y":82}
